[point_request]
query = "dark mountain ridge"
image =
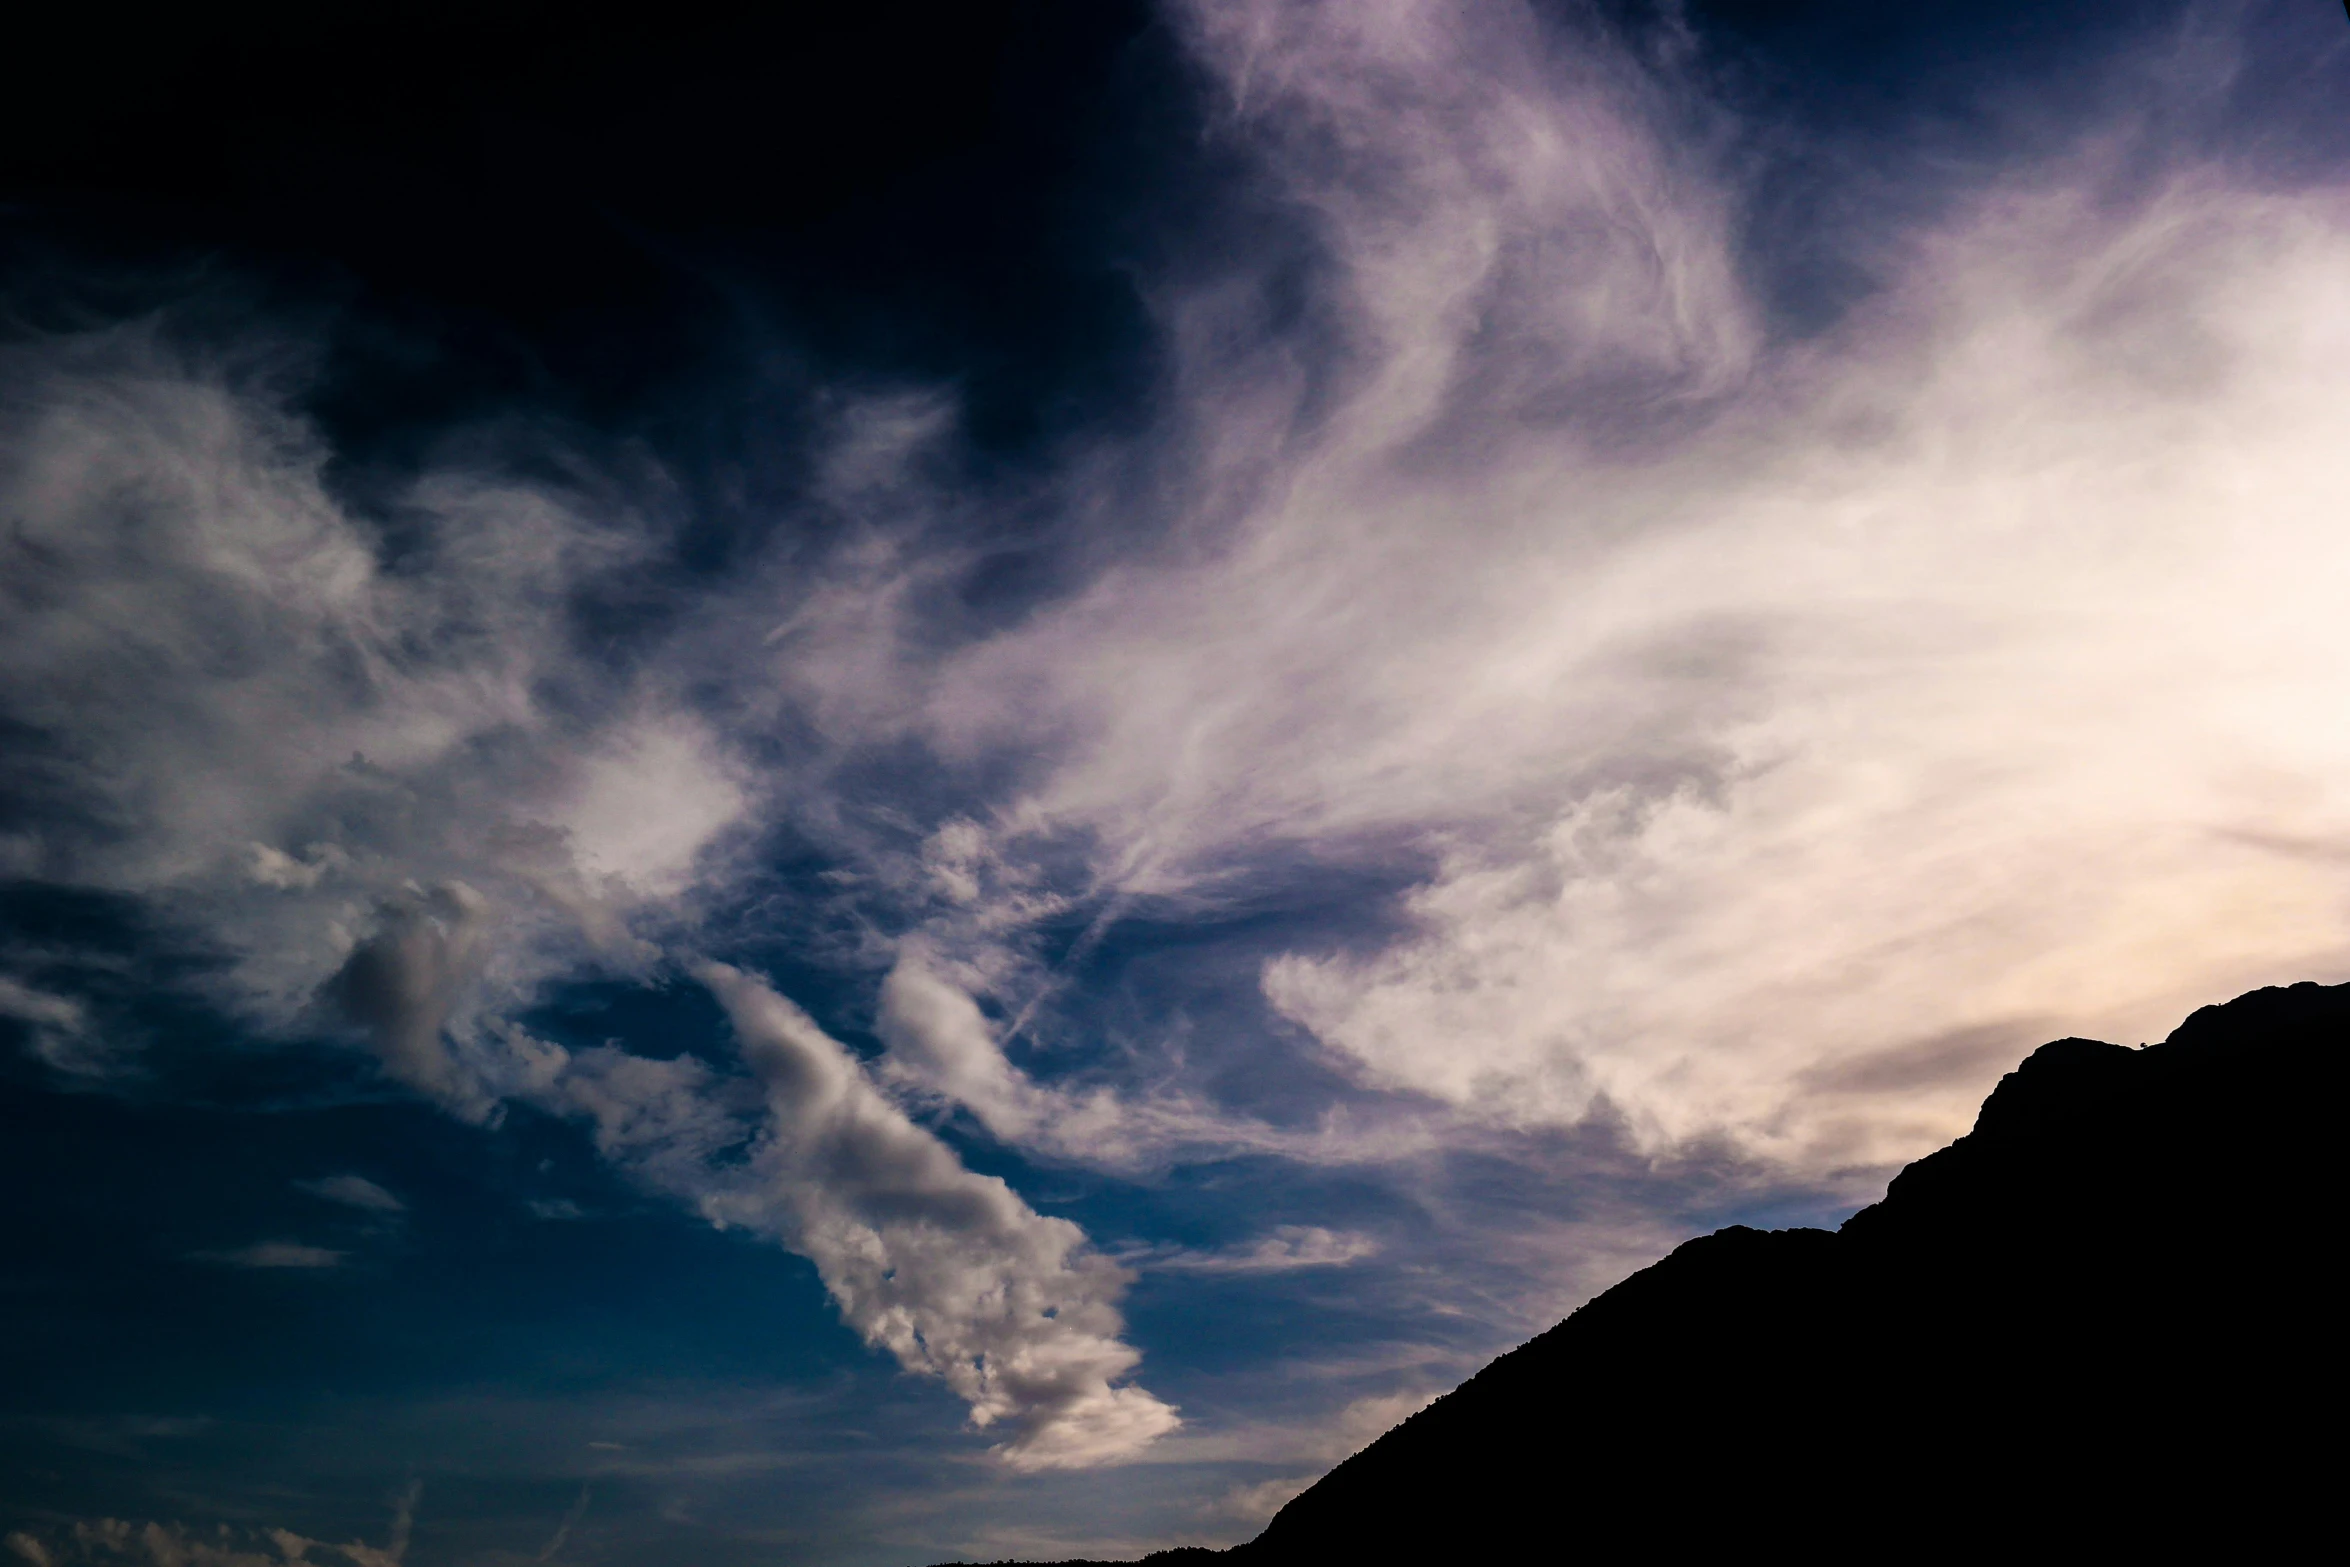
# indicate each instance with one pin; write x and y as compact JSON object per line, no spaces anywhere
{"x":2103,"y":1321}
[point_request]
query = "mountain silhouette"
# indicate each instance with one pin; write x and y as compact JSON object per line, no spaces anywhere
{"x":2101,"y":1323}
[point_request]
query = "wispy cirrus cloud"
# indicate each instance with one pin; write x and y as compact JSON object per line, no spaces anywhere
{"x":1769,"y":712}
{"x":58,"y":1026}
{"x":1283,"y":1249}
{"x":1737,"y":739}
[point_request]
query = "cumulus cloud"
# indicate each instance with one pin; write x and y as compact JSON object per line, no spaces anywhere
{"x":333,"y":747}
{"x":392,"y":790}
{"x":946,"y":1268}
{"x":404,"y":983}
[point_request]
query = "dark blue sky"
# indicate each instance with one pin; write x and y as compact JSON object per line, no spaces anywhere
{"x":956,"y":783}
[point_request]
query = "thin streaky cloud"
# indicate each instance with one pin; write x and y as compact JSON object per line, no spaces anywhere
{"x":275,"y":1254}
{"x":353,"y":1191}
{"x":1283,"y":1249}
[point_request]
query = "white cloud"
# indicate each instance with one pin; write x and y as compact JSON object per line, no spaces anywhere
{"x":940,"y":1048}
{"x":354,"y":1191}
{"x":1283,"y":1249}
{"x":939,"y":1043}
{"x":316,"y":754}
{"x":1316,"y":1443}
{"x":400,"y":797}
{"x":1256,"y":1504}
{"x":2029,"y":584}
{"x":947,"y":1269}
{"x":1787,"y":733}
{"x":647,"y":803}
{"x":1503,"y":224}
{"x":1959,"y":678}
{"x":670,"y":1122}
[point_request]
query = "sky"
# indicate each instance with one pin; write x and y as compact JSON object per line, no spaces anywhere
{"x":958,"y":783}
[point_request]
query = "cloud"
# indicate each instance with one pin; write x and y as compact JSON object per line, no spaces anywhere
{"x":1283,"y":1249}
{"x":1738,"y":740}
{"x":363,"y":758}
{"x":1503,"y":225}
{"x":400,"y":797}
{"x":153,"y":1544}
{"x":947,"y":1269}
{"x":354,"y":1191}
{"x":39,"y":1007}
{"x":1256,"y":1504}
{"x":403,"y":986}
{"x":939,"y":1048}
{"x":274,"y":1254}
{"x":1767,"y":712}
{"x":940,"y":1044}
{"x":555,"y":1542}
{"x":2030,"y":635}
{"x":57,"y":1027}
{"x":1321,"y":1444}
{"x":646,"y":803}
{"x":1318,"y":1442}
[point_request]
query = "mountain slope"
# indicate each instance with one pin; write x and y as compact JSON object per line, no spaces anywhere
{"x":2101,"y":1320}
